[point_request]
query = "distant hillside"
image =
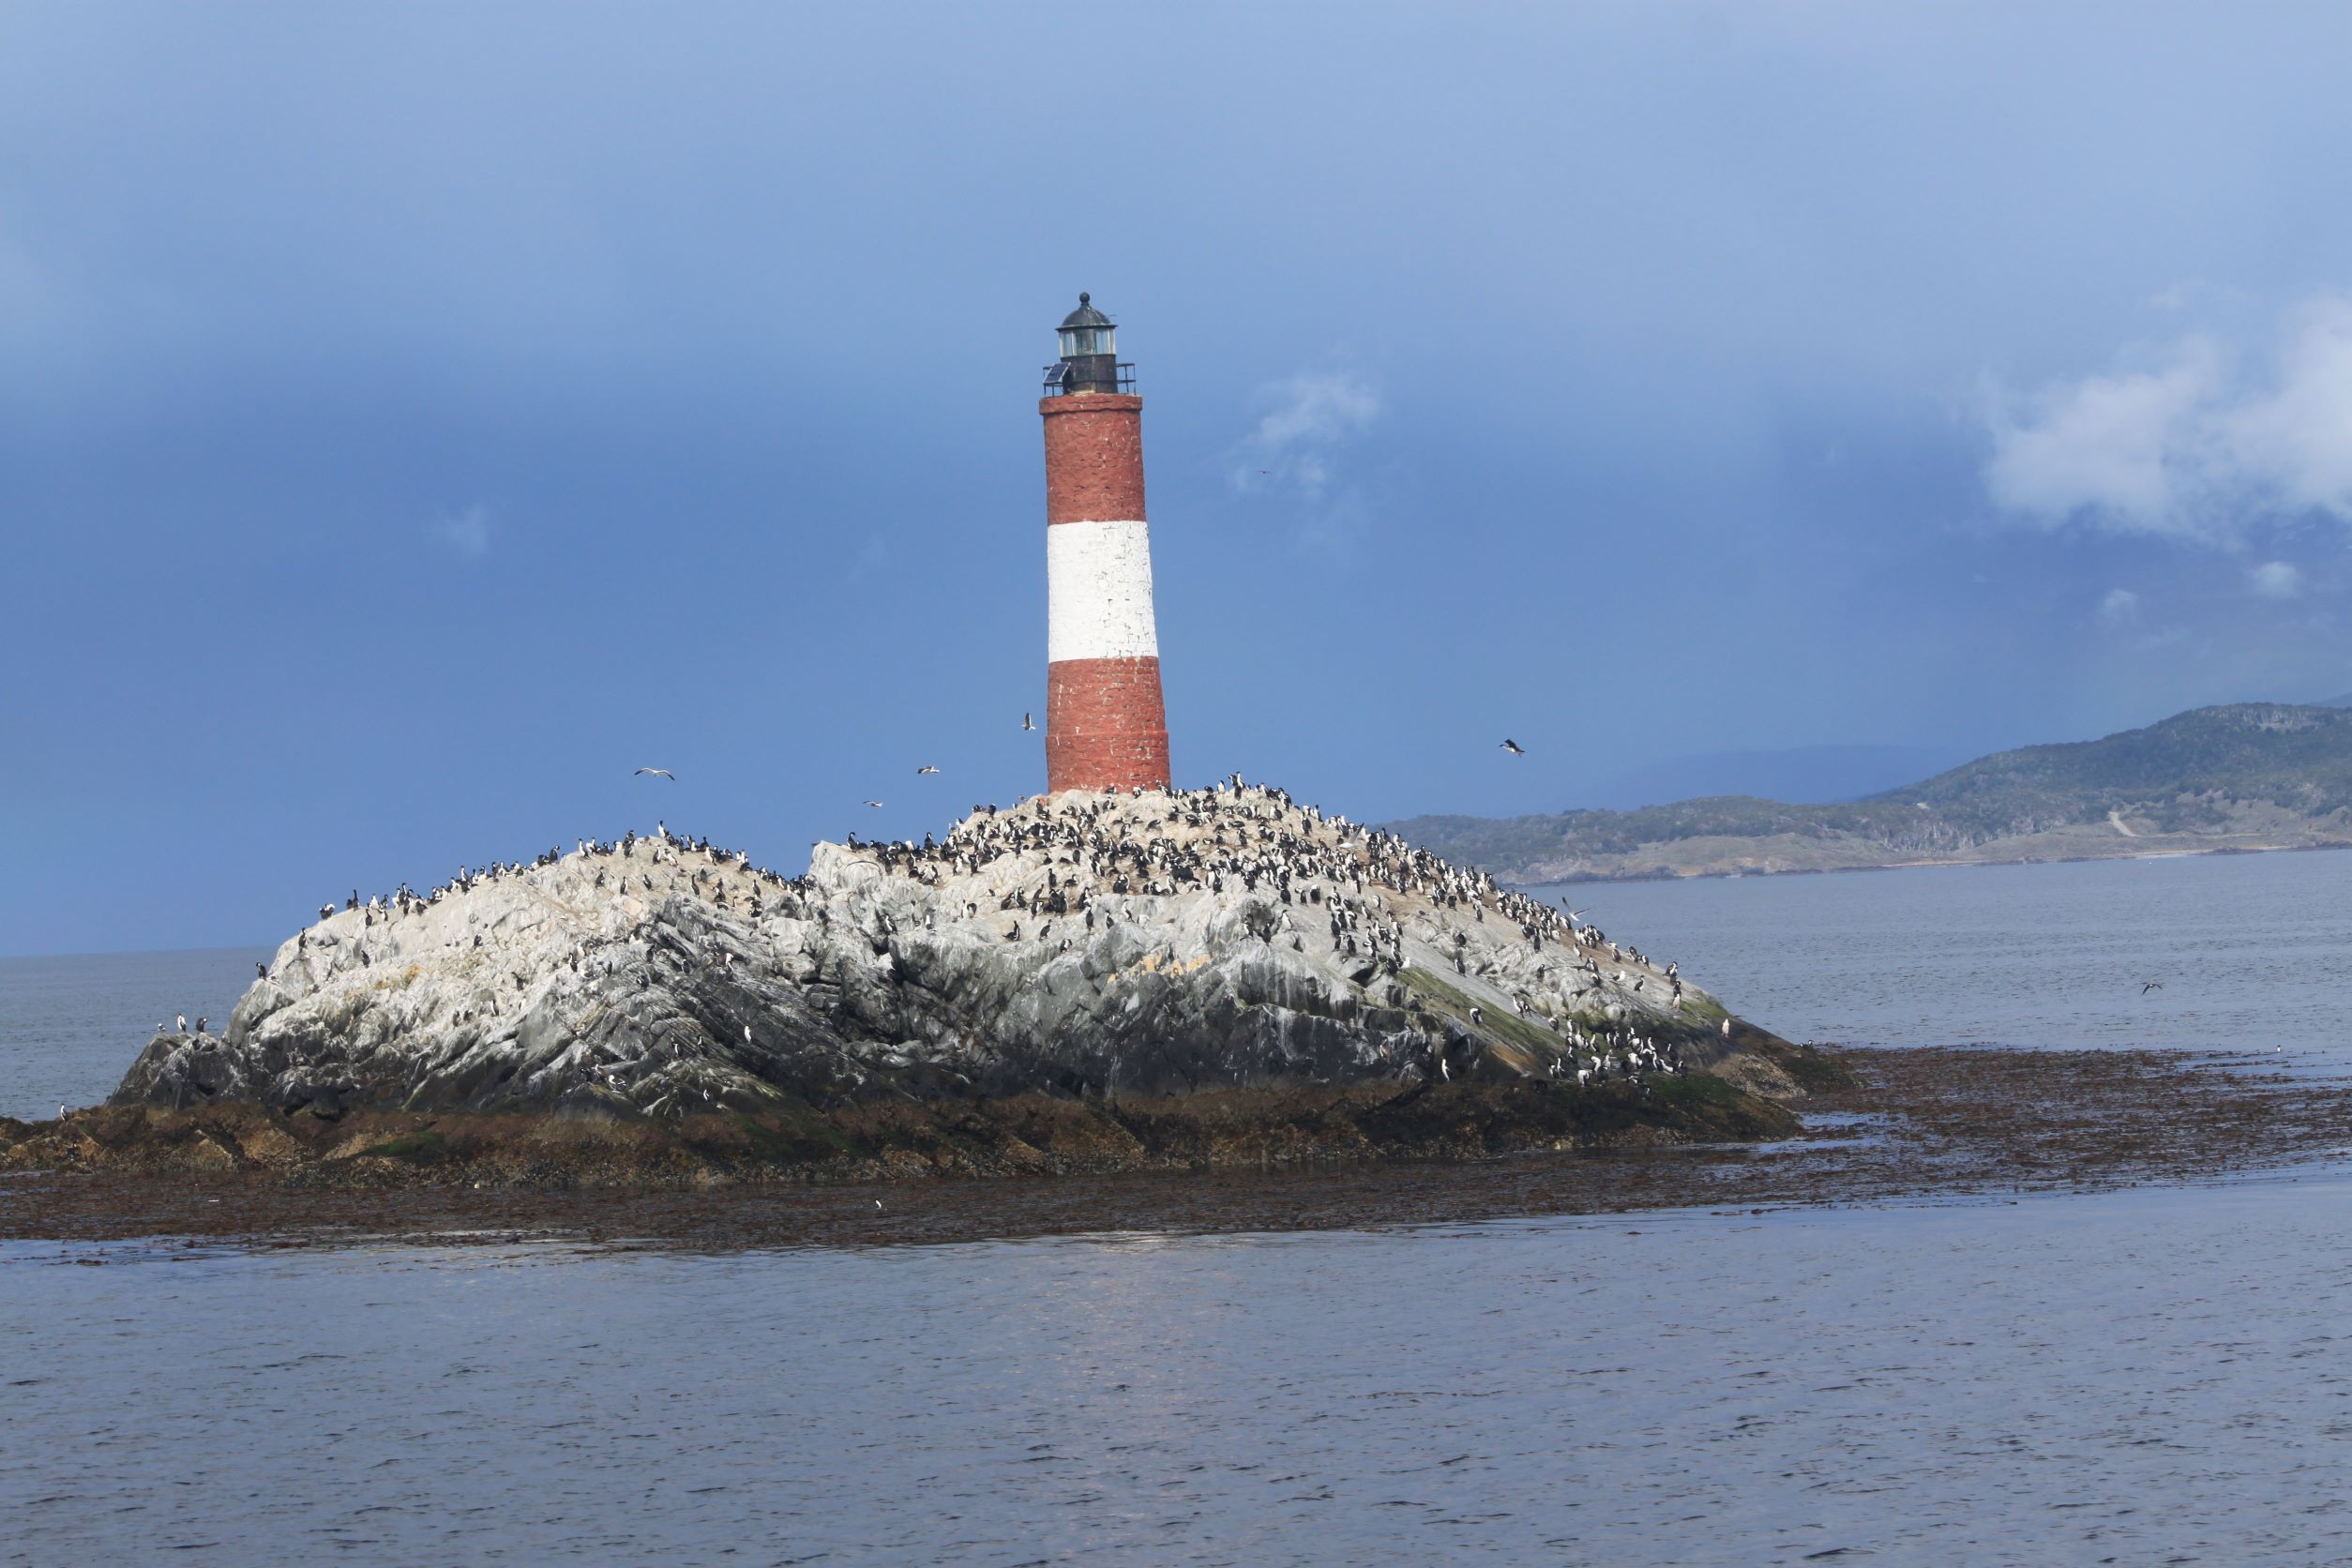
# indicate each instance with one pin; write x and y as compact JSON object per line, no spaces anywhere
{"x":2250,"y":776}
{"x":1808,"y":773}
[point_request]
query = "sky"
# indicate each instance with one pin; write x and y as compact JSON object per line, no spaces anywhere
{"x":414,"y":418}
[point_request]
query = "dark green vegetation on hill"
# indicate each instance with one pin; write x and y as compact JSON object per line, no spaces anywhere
{"x":2248,"y":776}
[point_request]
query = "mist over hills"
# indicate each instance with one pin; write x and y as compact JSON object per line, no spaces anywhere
{"x":2249,"y":775}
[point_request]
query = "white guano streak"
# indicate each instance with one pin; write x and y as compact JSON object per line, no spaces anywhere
{"x":1098,"y":591}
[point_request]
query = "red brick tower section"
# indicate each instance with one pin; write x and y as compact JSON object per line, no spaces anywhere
{"x":1106,"y":727}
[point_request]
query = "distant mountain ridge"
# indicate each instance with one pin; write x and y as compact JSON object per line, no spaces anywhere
{"x":1800,"y":773}
{"x":2248,"y":776}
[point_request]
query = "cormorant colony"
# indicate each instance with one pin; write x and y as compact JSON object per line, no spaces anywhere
{"x":1067,"y":862}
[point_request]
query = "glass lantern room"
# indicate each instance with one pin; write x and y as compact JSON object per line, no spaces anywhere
{"x":1086,"y":332}
{"x":1090,"y":354}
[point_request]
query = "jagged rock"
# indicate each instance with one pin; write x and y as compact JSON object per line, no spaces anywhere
{"x":1074,"y":944}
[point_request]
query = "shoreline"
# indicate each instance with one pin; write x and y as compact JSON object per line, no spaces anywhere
{"x":1587,"y":878}
{"x":1944,"y":1123}
{"x":794,"y":1144}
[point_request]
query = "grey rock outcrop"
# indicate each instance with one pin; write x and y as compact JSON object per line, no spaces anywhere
{"x":1095,"y":945}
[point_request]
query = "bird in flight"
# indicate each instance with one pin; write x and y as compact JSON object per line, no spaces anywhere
{"x":877,"y":805}
{"x":657,"y":773}
{"x":2151,"y":986}
{"x":1514,"y":747}
{"x":920,"y":772}
{"x":1576,"y":915}
{"x":1028,"y":722}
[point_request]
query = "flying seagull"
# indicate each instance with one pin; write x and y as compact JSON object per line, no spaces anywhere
{"x":657,"y":773}
{"x":2151,"y":986}
{"x":877,"y":805}
{"x":1514,"y":747}
{"x":920,"y":772}
{"x":1028,"y":722}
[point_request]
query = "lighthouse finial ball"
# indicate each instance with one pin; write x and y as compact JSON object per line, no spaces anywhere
{"x":1106,"y":724}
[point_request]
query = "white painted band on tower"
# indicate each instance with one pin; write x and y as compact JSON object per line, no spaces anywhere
{"x":1098,"y":592}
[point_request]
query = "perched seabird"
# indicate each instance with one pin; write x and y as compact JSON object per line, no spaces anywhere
{"x":1514,"y":747}
{"x":657,"y":773}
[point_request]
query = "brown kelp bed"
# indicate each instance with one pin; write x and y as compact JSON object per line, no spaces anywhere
{"x":896,"y":1138}
{"x":1899,"y":1124}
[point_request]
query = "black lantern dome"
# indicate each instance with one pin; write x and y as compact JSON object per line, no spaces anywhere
{"x":1090,"y":354}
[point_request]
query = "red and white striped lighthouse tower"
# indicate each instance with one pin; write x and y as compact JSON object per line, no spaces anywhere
{"x":1106,"y":728}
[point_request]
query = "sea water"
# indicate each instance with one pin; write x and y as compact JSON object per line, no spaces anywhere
{"x":2150,"y":1376}
{"x":70,"y":1026}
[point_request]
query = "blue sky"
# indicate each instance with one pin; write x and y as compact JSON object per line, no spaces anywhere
{"x":411,"y":419}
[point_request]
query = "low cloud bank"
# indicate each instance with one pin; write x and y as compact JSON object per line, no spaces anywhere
{"x":2199,"y":443}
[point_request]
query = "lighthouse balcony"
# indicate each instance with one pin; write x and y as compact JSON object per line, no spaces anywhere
{"x":1065,"y":376}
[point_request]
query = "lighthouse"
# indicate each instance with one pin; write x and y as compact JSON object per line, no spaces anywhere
{"x":1106,"y":728}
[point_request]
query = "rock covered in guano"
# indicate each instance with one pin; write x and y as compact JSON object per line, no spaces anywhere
{"x":1079,"y":943}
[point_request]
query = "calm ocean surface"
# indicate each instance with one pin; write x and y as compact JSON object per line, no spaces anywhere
{"x":68,"y":1027}
{"x":2162,"y":1375}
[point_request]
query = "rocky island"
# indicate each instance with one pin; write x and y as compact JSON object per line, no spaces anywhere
{"x":1084,"y":982}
